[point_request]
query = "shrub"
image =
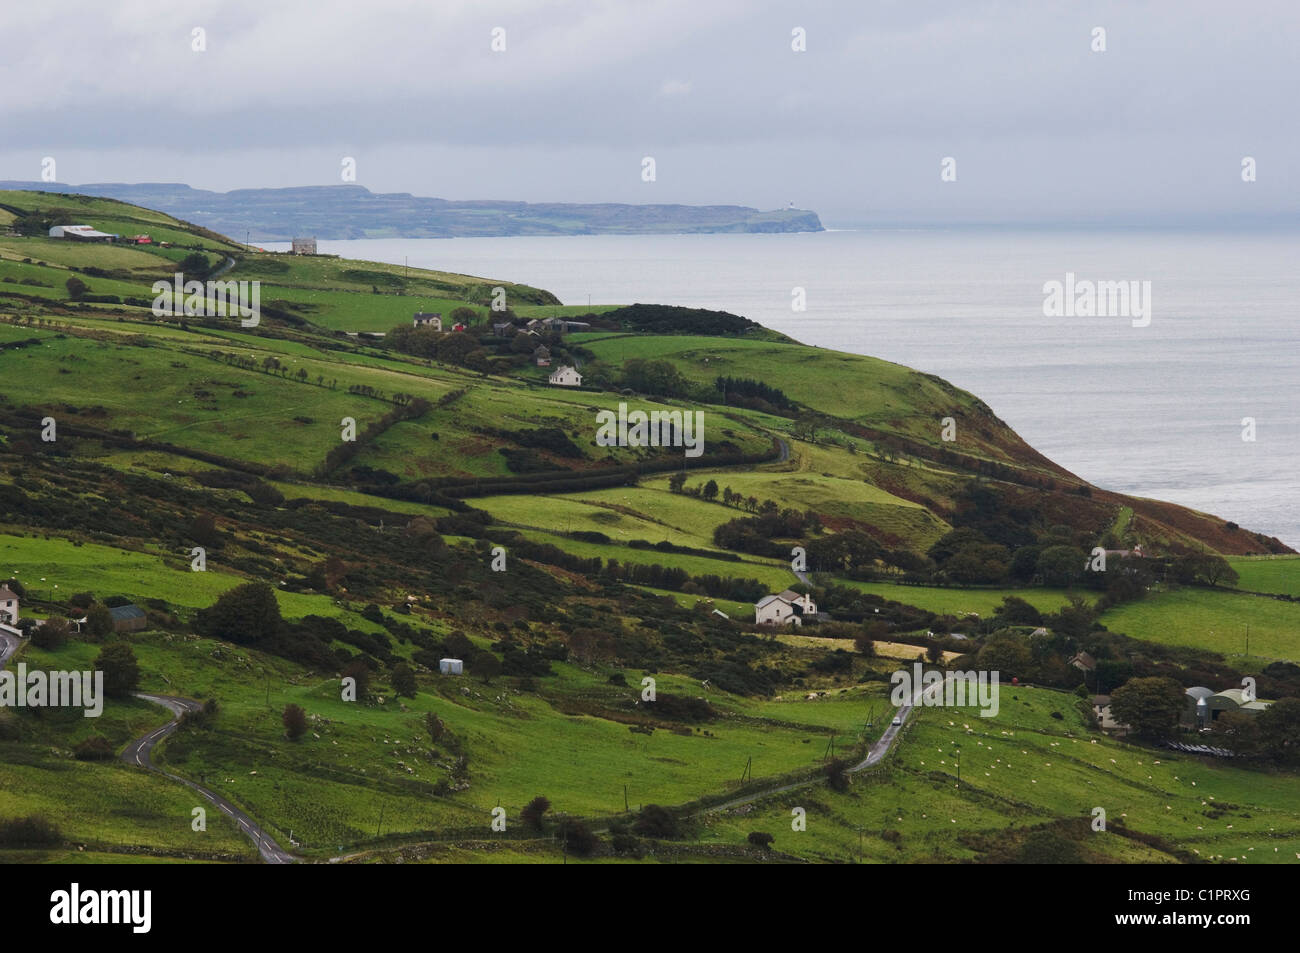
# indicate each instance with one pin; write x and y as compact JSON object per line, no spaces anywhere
{"x":579,"y":839}
{"x":94,"y":748}
{"x":658,"y":822}
{"x":31,"y":831}
{"x":295,"y":722}
{"x":534,"y":811}
{"x":52,"y":634}
{"x":760,"y":839}
{"x":403,"y":679}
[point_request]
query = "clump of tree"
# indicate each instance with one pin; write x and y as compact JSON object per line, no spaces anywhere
{"x":1149,"y":706}
{"x":747,"y":392}
{"x":246,"y":615}
{"x":121,"y":669}
{"x":52,"y":634}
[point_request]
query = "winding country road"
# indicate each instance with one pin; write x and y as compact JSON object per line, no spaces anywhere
{"x":874,"y":756}
{"x":8,"y":646}
{"x":137,"y":753}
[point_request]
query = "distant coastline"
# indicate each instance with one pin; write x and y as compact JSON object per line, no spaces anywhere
{"x":340,"y":212}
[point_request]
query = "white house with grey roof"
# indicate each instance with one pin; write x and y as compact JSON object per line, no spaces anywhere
{"x":784,"y":608}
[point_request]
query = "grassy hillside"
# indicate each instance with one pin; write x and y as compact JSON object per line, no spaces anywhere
{"x":475,"y":515}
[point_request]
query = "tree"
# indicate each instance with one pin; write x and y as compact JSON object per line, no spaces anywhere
{"x":459,"y":645}
{"x":534,"y":811}
{"x":467,"y":316}
{"x":710,"y":490}
{"x":677,"y":481}
{"x":195,"y":263}
{"x":1061,"y":565}
{"x":99,"y":622}
{"x":247,"y":614}
{"x":837,"y":774}
{"x":121,"y":670}
{"x":359,"y":671}
{"x":1211,"y":569}
{"x":295,"y":721}
{"x":52,"y":634}
{"x":76,"y":288}
{"x":1016,"y":611}
{"x":1151,"y":707}
{"x":435,"y":727}
{"x":1279,"y":730}
{"x":865,"y":646}
{"x":455,"y":348}
{"x":486,"y":666}
{"x":934,"y":652}
{"x":1006,"y":655}
{"x":403,"y":679}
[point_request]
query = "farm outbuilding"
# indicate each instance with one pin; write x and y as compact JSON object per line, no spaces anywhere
{"x":128,"y":618}
{"x":451,"y":666}
{"x":82,"y":233}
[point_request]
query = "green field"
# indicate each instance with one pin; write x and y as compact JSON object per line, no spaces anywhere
{"x":1021,"y":769}
{"x":1272,"y":574}
{"x":963,"y":602}
{"x":1214,"y":620}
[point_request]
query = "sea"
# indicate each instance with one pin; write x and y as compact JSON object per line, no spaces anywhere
{"x":1197,"y":403}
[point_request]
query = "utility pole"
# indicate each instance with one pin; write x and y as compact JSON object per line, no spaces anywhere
{"x":381,"y":819}
{"x":626,"y":809}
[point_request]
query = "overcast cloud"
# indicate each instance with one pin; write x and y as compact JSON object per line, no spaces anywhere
{"x":1043,"y":129}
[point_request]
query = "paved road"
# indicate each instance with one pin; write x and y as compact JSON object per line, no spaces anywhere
{"x":137,"y":753}
{"x":8,"y":646}
{"x":874,"y":755}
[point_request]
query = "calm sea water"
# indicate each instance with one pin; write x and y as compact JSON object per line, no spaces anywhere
{"x":1154,"y":411}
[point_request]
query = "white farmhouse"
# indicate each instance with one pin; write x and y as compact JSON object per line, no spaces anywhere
{"x":8,"y":606}
{"x":425,"y":319}
{"x":773,"y":610}
{"x":566,"y":376}
{"x":784,"y":608}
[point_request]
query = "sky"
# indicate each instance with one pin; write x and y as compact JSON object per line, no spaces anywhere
{"x":1043,"y":127}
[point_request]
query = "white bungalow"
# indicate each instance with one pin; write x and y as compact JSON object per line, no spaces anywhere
{"x":566,"y":376}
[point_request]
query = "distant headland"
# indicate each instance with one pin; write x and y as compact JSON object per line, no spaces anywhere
{"x":353,"y":211}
